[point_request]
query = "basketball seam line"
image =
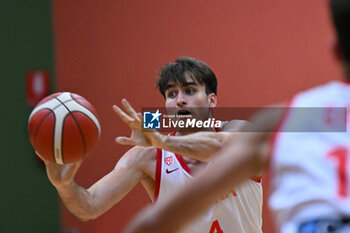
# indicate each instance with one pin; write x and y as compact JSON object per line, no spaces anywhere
{"x":87,"y":110}
{"x":76,"y":122}
{"x":41,"y":122}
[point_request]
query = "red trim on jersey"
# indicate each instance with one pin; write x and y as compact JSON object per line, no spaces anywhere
{"x":172,"y":133}
{"x":158,"y":173}
{"x":257,"y":179}
{"x":183,"y":163}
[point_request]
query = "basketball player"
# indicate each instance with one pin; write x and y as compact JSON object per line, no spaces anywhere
{"x":310,"y":182}
{"x":187,"y":85}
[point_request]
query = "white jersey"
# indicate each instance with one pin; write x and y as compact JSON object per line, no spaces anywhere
{"x":238,"y":212}
{"x":310,"y":171}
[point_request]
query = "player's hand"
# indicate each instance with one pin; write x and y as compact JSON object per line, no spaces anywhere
{"x":139,"y":136}
{"x":60,"y":175}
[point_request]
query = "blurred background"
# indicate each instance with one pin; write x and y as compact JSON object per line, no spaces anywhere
{"x":261,"y":51}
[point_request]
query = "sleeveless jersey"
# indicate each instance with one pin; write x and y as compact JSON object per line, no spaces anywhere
{"x":240,"y":211}
{"x":310,"y":175}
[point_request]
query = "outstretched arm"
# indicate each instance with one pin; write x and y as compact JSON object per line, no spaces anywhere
{"x":92,"y":202}
{"x":200,"y":145}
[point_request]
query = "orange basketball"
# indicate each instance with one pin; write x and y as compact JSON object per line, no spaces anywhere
{"x":63,"y":127}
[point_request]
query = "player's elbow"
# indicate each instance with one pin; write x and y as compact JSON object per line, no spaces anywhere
{"x":87,"y":214}
{"x":86,"y":217}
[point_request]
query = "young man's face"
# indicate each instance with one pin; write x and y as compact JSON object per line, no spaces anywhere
{"x":189,"y":99}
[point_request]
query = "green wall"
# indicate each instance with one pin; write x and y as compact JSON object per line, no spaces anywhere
{"x":28,"y":203}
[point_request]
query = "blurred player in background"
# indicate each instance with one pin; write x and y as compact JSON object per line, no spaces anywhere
{"x":310,"y":181}
{"x":187,"y":85}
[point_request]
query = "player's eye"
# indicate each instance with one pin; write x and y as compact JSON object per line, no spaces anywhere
{"x":190,"y":91}
{"x":171,"y":94}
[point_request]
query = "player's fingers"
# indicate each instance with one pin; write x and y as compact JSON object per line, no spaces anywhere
{"x":122,"y":114}
{"x":139,"y":114}
{"x":130,"y":109}
{"x":124,"y":141}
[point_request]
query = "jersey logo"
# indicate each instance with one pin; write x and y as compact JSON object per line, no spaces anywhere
{"x":170,"y":171}
{"x":168,"y":160}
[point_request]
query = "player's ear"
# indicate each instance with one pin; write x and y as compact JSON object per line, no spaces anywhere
{"x":213,"y":100}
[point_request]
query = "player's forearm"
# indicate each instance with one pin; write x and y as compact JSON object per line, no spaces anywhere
{"x":200,"y":146}
{"x":78,"y":201}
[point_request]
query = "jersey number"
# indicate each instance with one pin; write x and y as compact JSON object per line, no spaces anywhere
{"x":215,"y":227}
{"x":340,"y":156}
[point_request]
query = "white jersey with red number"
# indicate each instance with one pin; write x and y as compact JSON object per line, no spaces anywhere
{"x":310,"y":175}
{"x":238,"y":212}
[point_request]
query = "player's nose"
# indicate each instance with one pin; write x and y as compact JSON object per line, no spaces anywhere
{"x":181,"y":99}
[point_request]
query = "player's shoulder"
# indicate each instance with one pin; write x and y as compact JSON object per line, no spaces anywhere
{"x":315,"y":96}
{"x":332,"y":85}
